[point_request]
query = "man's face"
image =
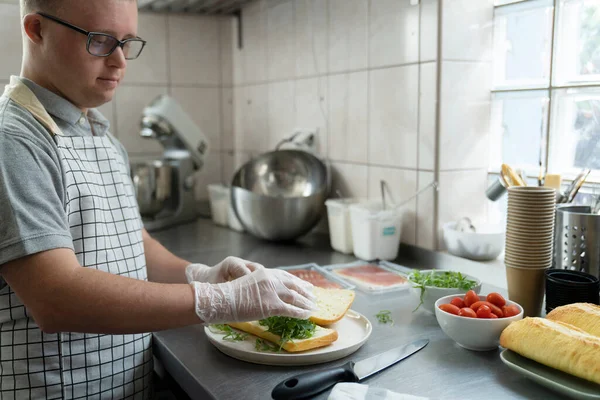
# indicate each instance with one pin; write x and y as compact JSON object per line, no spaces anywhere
{"x":85,"y":80}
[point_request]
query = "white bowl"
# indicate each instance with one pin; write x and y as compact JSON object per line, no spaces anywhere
{"x":484,"y":245}
{"x":473,"y":333}
{"x":432,"y":293}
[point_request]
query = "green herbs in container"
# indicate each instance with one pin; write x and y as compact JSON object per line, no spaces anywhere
{"x":430,"y":285}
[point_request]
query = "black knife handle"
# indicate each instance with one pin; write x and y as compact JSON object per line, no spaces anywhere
{"x":311,"y":383}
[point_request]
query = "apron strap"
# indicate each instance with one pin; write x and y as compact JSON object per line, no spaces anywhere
{"x":18,"y":92}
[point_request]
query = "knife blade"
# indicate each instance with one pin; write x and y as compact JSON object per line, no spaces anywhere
{"x":312,"y":383}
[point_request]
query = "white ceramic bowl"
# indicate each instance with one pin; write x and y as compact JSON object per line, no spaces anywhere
{"x":432,"y":293}
{"x":484,"y":245}
{"x":473,"y":333}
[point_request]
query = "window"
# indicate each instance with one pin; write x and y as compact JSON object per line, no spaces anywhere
{"x":546,"y":88}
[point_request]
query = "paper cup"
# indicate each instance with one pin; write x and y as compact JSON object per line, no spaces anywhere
{"x":526,"y":286}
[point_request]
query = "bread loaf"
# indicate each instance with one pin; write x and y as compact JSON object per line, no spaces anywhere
{"x":332,"y":305}
{"x":555,"y":344}
{"x":585,"y":316}
{"x":322,"y":336}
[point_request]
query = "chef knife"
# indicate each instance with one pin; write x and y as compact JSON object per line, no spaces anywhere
{"x":311,"y":383}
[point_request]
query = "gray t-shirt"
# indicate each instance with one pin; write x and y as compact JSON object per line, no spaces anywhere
{"x":32,"y":188}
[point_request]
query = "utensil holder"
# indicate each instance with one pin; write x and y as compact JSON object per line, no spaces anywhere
{"x":577,"y":240}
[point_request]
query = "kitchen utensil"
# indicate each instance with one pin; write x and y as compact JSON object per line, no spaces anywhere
{"x":567,"y":287}
{"x":430,"y":294}
{"x":569,"y":194}
{"x":497,"y":189}
{"x":511,"y":177}
{"x":311,"y":383}
{"x":385,"y":188}
{"x":152,"y":184}
{"x":185,"y":150}
{"x":577,"y":239}
{"x":354,"y":331}
{"x":477,"y":334}
{"x":578,"y":185}
{"x":280,"y":195}
{"x":561,"y":382}
{"x":486,"y":243}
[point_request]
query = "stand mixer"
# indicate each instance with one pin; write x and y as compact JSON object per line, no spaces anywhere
{"x":165,"y":187}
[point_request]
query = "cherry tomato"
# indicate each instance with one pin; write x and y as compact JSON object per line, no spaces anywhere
{"x":496,"y":299}
{"x":449,"y":308}
{"x":495,"y":309}
{"x":467,"y":312}
{"x":458,"y":302}
{"x":484,"y":312}
{"x":510,"y":311}
{"x":492,"y":316}
{"x":470,"y":298}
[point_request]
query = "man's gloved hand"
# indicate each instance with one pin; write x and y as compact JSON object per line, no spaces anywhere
{"x":261,"y":294}
{"x":227,"y":270}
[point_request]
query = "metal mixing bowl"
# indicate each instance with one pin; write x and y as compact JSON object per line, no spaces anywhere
{"x":280,"y":195}
{"x":152,"y":183}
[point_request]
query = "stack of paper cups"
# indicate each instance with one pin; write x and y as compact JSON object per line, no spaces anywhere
{"x":529,"y":244}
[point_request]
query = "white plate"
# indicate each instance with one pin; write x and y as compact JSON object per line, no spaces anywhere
{"x":354,"y":330}
{"x":554,"y":379}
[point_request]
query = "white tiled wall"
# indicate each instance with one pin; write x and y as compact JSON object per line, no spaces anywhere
{"x":188,"y":57}
{"x":350,"y":69}
{"x":466,"y":44}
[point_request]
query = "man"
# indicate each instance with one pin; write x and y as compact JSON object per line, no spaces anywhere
{"x":75,"y":302}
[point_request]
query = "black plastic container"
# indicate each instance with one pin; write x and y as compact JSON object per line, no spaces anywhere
{"x":567,"y":287}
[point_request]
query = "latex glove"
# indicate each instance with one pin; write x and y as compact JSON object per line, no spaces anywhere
{"x":261,"y":294}
{"x":227,"y":270}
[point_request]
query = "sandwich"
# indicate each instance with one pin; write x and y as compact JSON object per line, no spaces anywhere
{"x":294,"y":335}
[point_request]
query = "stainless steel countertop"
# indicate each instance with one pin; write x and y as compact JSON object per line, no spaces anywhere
{"x":442,"y":370}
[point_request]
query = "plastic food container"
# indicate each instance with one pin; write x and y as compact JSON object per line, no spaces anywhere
{"x":375,"y":232}
{"x":317,"y":276}
{"x":371,"y":278}
{"x":221,"y":207}
{"x":340,"y":228}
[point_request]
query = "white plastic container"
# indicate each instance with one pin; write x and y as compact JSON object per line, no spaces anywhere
{"x":221,"y":207}
{"x":375,"y":233}
{"x":340,"y":228}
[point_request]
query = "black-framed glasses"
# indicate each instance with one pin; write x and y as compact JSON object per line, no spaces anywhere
{"x":102,"y":44}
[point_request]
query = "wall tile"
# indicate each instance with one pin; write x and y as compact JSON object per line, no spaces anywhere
{"x":429,"y":30}
{"x":348,"y":117}
{"x":255,"y":42}
{"x":312,"y":40}
{"x":464,"y":115}
{"x":402,"y":184}
{"x":198,"y":66}
{"x":394,"y":33}
{"x":461,"y":194}
{"x":281,"y":36}
{"x":203,"y":106}
{"x":131,"y":101}
{"x":10,"y":31}
{"x":282,"y":111}
{"x":312,"y":109}
{"x":348,"y":35}
{"x":393,"y":121}
{"x":349,"y":180}
{"x":467,"y":29}
{"x":252,"y":124}
{"x":151,"y":66}
{"x":227,"y":44}
{"x":426,"y":226}
{"x":227,"y":119}
{"x":427,"y":115}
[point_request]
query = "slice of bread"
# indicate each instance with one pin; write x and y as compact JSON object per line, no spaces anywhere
{"x":585,"y":316}
{"x":332,"y":305}
{"x":322,"y":336}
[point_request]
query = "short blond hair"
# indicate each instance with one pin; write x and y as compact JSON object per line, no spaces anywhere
{"x":29,"y":6}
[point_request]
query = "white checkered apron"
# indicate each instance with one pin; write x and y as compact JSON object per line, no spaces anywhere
{"x":106,"y":228}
